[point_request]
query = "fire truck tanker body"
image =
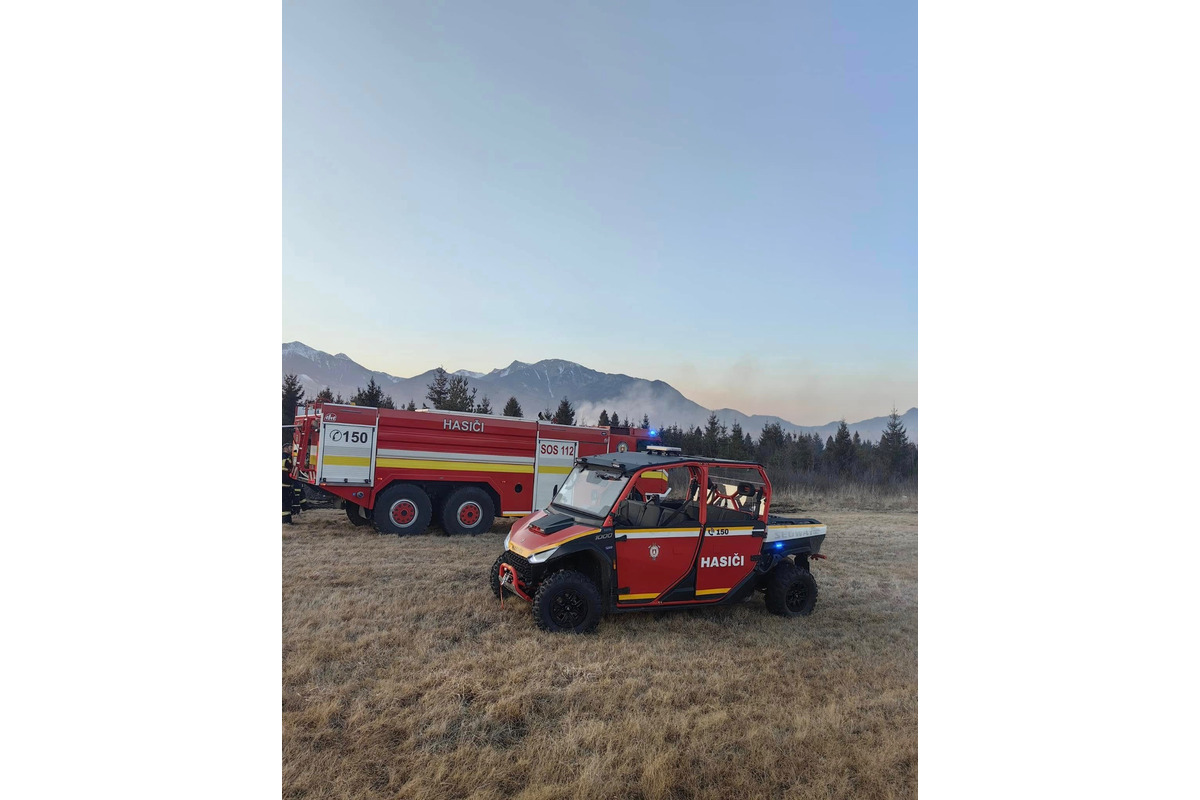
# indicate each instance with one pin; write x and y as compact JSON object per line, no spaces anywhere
{"x":402,"y":470}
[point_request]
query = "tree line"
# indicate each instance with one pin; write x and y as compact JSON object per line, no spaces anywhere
{"x":792,"y":458}
{"x":789,"y":457}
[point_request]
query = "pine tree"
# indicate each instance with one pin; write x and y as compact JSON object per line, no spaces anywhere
{"x":372,"y":396}
{"x":459,"y":396}
{"x":842,"y":450}
{"x":713,"y":430}
{"x":341,"y":401}
{"x":603,"y":421}
{"x":412,"y":405}
{"x":895,"y":452}
{"x":735,"y":445}
{"x":771,"y":446}
{"x":512,"y":408}
{"x":324,"y":396}
{"x":293,"y":395}
{"x":439,"y":390}
{"x":565,"y":415}
{"x":484,"y":407}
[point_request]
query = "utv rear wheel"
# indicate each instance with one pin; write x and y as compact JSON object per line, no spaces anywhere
{"x":468,"y":510}
{"x":567,"y":602}
{"x":791,"y":591}
{"x":402,"y":509}
{"x":494,"y":579}
{"x":354,"y":514}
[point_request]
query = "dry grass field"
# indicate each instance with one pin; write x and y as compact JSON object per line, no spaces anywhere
{"x":404,"y":678}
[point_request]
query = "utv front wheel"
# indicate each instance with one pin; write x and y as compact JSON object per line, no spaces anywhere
{"x":791,"y":591}
{"x":567,"y":602}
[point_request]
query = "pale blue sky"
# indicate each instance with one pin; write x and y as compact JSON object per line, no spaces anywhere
{"x":718,"y":195}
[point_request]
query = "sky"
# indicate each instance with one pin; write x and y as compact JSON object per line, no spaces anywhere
{"x":722,"y":196}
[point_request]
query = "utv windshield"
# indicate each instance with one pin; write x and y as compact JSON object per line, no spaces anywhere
{"x":590,"y":491}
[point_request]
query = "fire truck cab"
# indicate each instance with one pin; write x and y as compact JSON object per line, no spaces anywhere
{"x":403,"y":470}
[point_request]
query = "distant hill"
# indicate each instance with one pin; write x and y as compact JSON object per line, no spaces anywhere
{"x":542,"y":385}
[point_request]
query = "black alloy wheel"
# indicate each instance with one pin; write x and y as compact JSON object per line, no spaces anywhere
{"x":567,"y":602}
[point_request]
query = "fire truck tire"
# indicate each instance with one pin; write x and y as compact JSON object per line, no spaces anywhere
{"x":495,"y":578}
{"x":791,"y":591}
{"x":567,"y":602}
{"x":355,"y":515}
{"x":403,"y":509}
{"x":468,"y":510}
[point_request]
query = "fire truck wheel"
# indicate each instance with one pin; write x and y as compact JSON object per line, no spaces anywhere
{"x":495,"y":578}
{"x":567,"y":602}
{"x":791,"y":591}
{"x":468,"y":510}
{"x":403,"y":509}
{"x":354,"y":514}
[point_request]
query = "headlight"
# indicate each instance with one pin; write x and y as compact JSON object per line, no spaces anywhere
{"x":538,"y":558}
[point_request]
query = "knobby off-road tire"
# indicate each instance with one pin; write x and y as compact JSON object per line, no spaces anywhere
{"x":468,"y":510}
{"x":567,"y":602}
{"x":354,"y":514}
{"x":403,"y":509}
{"x":791,"y":591}
{"x":495,"y":579}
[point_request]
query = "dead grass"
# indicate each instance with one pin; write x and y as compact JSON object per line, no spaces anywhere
{"x":845,"y":496}
{"x":403,"y":678}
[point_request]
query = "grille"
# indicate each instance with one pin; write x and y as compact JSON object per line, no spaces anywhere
{"x":523,"y":568}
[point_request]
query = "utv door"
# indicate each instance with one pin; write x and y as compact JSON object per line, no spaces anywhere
{"x":656,"y":538}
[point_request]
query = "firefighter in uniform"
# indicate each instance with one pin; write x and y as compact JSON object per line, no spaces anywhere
{"x":299,"y":503}
{"x":287,"y":491}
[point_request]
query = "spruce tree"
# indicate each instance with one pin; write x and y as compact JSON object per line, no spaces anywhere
{"x":615,"y":421}
{"x":603,"y":421}
{"x":713,"y":430}
{"x":895,"y":452}
{"x":645,"y":422}
{"x":439,"y":390}
{"x":734,"y":446}
{"x":412,"y":405}
{"x":484,"y":407}
{"x":459,"y":396}
{"x":372,"y":396}
{"x":512,"y":408}
{"x":293,"y":395}
{"x":842,"y":450}
{"x":565,"y":415}
{"x":324,"y":396}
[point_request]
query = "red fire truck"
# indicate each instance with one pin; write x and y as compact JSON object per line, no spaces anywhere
{"x":402,"y":470}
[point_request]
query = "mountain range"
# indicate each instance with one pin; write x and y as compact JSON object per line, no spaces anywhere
{"x":542,"y":385}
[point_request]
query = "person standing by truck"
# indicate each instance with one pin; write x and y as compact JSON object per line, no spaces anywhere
{"x":287,"y":491}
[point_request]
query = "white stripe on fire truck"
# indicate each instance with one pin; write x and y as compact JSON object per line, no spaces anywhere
{"x":434,"y":455}
{"x":459,"y":466}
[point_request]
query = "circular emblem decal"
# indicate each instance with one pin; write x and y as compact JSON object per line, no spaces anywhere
{"x":653,"y":552}
{"x":622,"y":447}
